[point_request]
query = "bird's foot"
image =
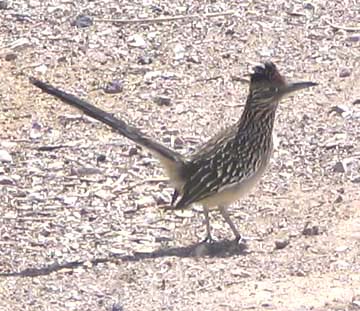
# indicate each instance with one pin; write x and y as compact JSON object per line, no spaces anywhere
{"x":241,"y":242}
{"x":208,"y":240}
{"x":239,"y":239}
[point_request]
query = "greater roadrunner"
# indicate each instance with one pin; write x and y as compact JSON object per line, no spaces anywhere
{"x":228,"y":165}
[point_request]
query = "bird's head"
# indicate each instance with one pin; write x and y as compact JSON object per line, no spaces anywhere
{"x":268,"y":86}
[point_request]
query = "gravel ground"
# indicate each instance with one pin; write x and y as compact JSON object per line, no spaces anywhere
{"x":81,"y":220}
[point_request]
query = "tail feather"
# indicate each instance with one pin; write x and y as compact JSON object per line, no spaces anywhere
{"x":169,"y":158}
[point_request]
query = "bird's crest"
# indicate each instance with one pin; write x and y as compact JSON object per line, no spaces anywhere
{"x":267,"y":73}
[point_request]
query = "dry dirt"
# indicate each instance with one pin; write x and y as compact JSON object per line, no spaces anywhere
{"x":81,"y":223}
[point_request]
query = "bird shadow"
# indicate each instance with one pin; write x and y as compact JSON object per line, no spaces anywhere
{"x":224,"y":248}
{"x":219,"y":249}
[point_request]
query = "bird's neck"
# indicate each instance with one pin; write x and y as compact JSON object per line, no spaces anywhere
{"x":257,"y":120}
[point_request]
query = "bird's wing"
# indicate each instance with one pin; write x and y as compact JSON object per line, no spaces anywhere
{"x":209,"y":175}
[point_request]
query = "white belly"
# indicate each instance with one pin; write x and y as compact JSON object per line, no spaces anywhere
{"x":233,"y":192}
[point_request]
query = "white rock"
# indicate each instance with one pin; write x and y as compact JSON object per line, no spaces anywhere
{"x":152,"y":35}
{"x":184,"y":213}
{"x":35,"y":196}
{"x":341,"y":249}
{"x":20,"y":44}
{"x":5,"y":156}
{"x":179,"y":52}
{"x":151,"y":75}
{"x":70,"y":200}
{"x":145,"y":201}
{"x":137,"y":41}
{"x":41,"y":69}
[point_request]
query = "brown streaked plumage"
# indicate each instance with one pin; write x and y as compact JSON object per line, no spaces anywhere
{"x":228,"y":165}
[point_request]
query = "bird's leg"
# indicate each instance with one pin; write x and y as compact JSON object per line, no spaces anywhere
{"x":208,"y":238}
{"x":174,"y":197}
{"x":225,"y":214}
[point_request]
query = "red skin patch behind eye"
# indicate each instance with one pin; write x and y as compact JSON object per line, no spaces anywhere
{"x":269,"y":73}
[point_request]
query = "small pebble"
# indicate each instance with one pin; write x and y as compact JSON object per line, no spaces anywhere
{"x":70,"y":200}
{"x":144,"y":60}
{"x":341,"y":109}
{"x":193,"y":59}
{"x":229,"y":32}
{"x":41,"y":68}
{"x":281,"y":243}
{"x":179,"y":51}
{"x":354,"y":38}
{"x":156,"y":8}
{"x":344,"y":72}
{"x":339,"y":199}
{"x":137,"y":41}
{"x":356,"y":180}
{"x":266,"y":52}
{"x":114,"y":87}
{"x":22,"y":17}
{"x":160,"y":198}
{"x":61,"y":59}
{"x":339,"y":167}
{"x":308,"y":6}
{"x":82,"y":21}
{"x":117,"y":307}
{"x":144,"y":201}
{"x":300,"y":273}
{"x":101,"y":158}
{"x":178,"y":142}
{"x":10,"y":56}
{"x":310,"y":230}
{"x":341,"y":249}
{"x":336,"y":140}
{"x":162,"y":100}
{"x":4,"y":180}
{"x":4,"y":4}
{"x":133,"y":151}
{"x":85,"y":171}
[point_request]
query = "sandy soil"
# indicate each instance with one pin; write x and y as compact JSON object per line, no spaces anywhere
{"x":81,"y":219}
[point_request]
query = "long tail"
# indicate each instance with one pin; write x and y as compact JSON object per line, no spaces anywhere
{"x":171,"y":160}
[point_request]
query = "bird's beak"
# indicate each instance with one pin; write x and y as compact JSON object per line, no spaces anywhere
{"x":296,"y":86}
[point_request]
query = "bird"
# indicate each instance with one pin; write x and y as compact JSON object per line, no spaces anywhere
{"x":226,"y":167}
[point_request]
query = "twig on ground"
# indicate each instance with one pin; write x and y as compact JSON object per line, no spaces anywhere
{"x":233,"y":106}
{"x":209,"y":79}
{"x":51,"y":147}
{"x":240,"y":79}
{"x":163,"y":19}
{"x":295,"y":13}
{"x":339,"y":27}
